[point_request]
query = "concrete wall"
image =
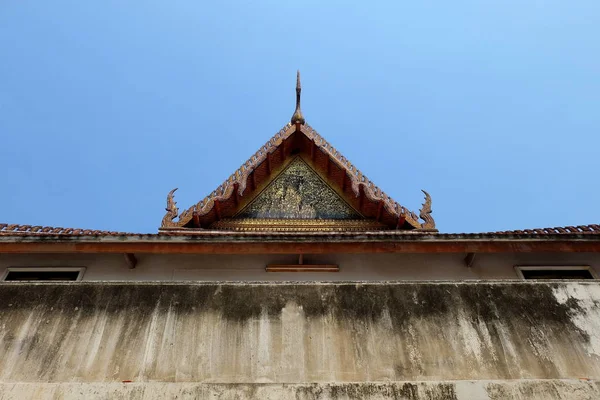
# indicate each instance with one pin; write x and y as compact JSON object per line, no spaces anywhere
{"x":252,"y":267}
{"x":564,"y":389}
{"x":445,"y":341}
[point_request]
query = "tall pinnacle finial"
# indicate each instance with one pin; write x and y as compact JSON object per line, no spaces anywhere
{"x":298,"y":118}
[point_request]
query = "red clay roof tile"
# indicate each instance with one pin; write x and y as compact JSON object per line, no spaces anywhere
{"x":15,"y":229}
{"x":566,"y":230}
{"x":37,"y":230}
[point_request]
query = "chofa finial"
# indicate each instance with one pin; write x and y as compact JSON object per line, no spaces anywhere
{"x":425,"y":213}
{"x":298,"y":118}
{"x":172,"y":211}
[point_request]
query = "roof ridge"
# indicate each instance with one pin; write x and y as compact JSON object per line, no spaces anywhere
{"x":559,"y":230}
{"x":39,"y":230}
{"x":358,"y":178}
{"x":12,"y":229}
{"x":240,"y":176}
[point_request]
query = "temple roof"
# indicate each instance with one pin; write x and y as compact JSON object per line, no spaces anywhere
{"x":27,"y":239}
{"x":37,"y":239}
{"x":361,"y":205}
{"x":332,"y":201}
{"x":256,"y":173}
{"x":578,"y":231}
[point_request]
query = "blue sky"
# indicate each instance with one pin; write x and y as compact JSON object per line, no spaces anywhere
{"x":491,"y":106}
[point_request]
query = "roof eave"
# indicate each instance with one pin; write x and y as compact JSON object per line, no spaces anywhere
{"x":286,"y":243}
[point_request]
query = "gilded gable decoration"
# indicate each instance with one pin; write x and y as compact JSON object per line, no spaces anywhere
{"x":298,"y":193}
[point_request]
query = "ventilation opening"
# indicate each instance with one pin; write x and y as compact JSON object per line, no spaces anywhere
{"x":556,"y":273}
{"x":43,"y":274}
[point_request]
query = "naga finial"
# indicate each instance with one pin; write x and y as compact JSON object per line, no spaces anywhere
{"x":425,"y":213}
{"x":298,"y":118}
{"x":172,"y":211}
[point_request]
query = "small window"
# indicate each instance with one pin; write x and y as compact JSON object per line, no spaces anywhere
{"x":556,"y":272}
{"x":43,"y":274}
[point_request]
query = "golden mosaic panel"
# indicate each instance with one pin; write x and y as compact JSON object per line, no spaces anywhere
{"x":299,"y":193}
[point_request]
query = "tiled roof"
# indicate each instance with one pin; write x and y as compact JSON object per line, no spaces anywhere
{"x":219,"y":203}
{"x":31,"y":230}
{"x":15,"y":229}
{"x":238,"y":181}
{"x":580,"y":229}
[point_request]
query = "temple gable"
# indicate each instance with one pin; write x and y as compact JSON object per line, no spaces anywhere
{"x":297,"y":181}
{"x":299,"y":193}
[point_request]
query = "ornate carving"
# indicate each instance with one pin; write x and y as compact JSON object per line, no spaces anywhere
{"x":297,"y":225}
{"x":172,"y":211}
{"x":298,"y":193}
{"x":425,"y":213}
{"x":240,"y":177}
{"x":371,"y":191}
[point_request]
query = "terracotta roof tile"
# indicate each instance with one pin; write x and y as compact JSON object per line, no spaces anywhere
{"x":37,"y":230}
{"x":566,"y":230}
{"x":15,"y":229}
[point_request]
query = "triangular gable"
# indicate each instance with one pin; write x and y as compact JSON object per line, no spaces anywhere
{"x":258,"y":172}
{"x":298,"y":192}
{"x":239,"y":195}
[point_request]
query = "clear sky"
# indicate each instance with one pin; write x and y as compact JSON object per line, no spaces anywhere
{"x":491,"y":106}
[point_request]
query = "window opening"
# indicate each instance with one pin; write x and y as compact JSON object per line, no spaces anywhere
{"x":556,"y":272}
{"x":43,"y":274}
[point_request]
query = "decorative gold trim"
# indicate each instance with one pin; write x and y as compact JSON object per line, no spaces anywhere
{"x":298,"y":225}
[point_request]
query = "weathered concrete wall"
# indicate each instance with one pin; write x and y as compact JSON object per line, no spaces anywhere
{"x":374,"y":267}
{"x":298,"y":332}
{"x":92,"y":334}
{"x":429,"y":390}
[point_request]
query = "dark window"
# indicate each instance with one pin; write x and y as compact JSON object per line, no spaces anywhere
{"x":557,"y":274}
{"x":42,"y":276}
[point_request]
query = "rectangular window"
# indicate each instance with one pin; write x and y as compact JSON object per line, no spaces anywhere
{"x":555,"y":272}
{"x":43,"y":274}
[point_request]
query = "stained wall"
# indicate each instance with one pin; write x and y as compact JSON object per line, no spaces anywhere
{"x":314,"y":340}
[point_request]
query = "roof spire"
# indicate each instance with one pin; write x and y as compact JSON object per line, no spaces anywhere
{"x":298,"y":118}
